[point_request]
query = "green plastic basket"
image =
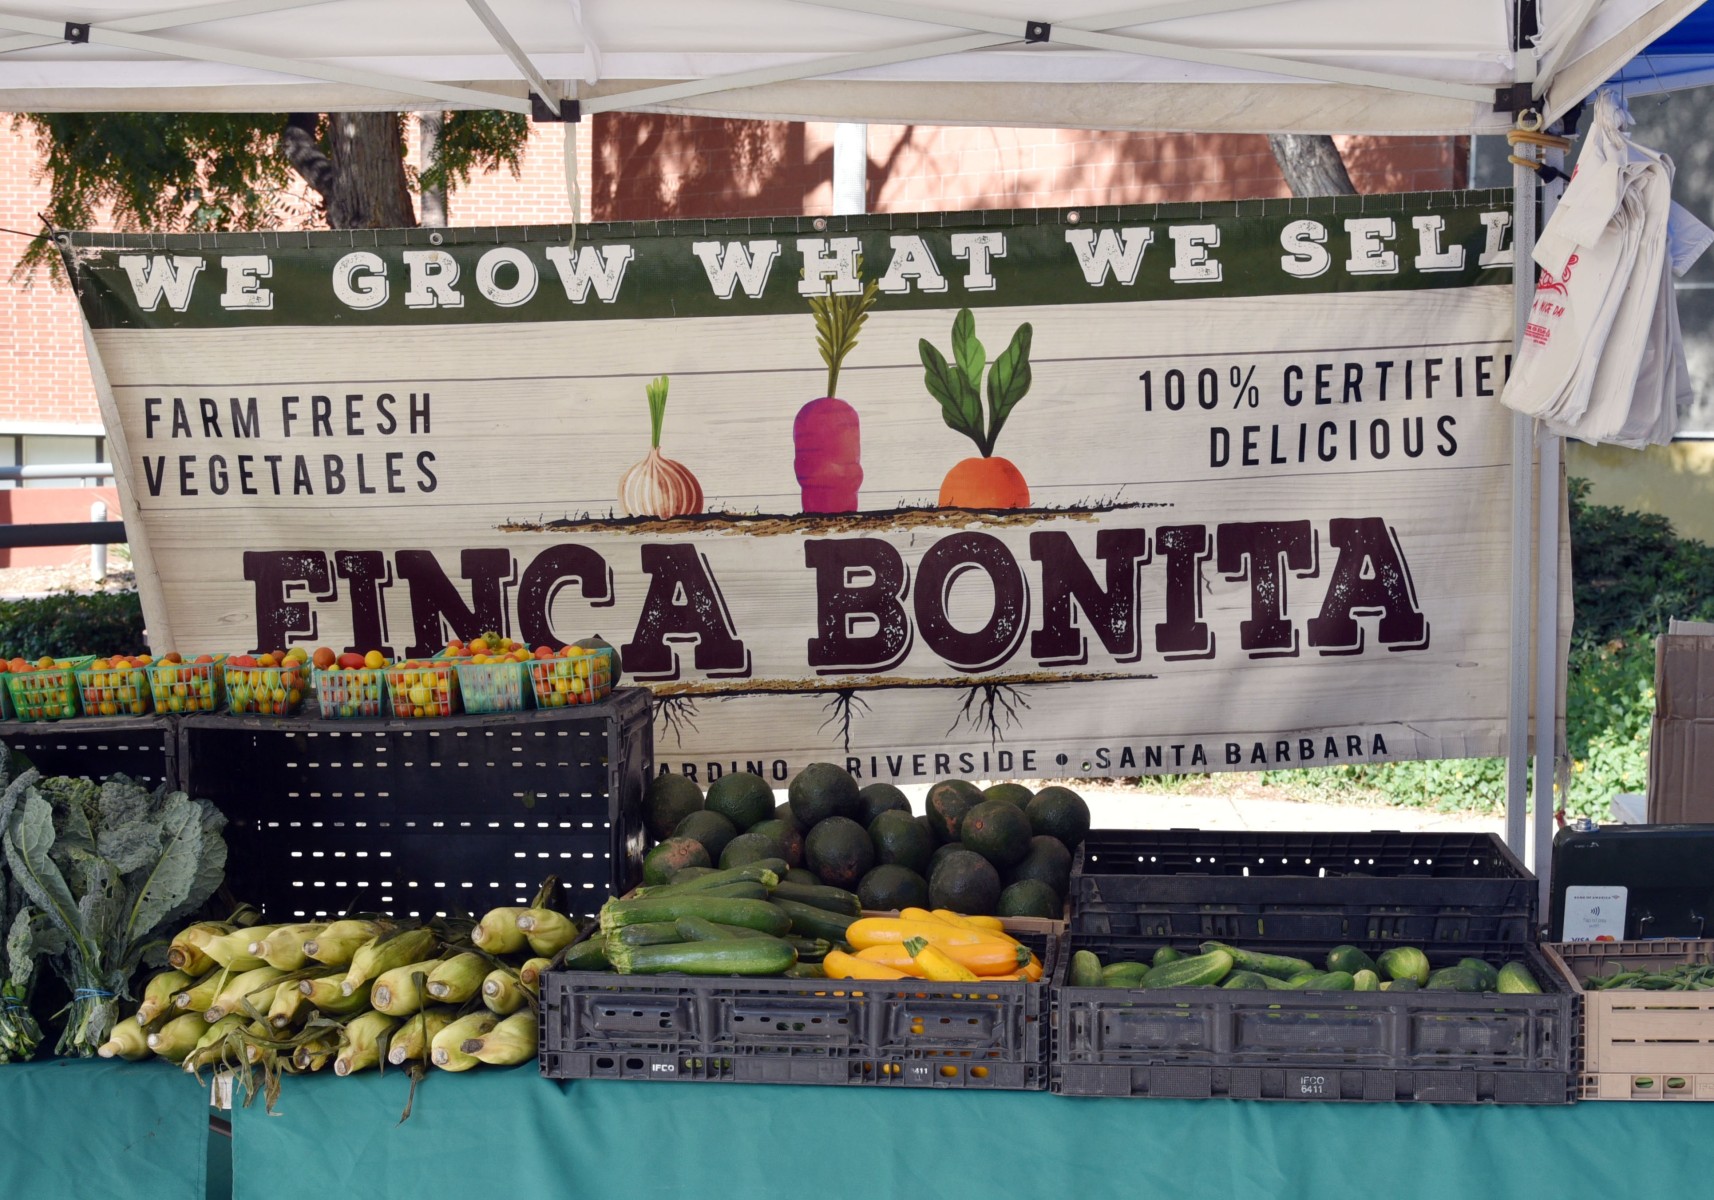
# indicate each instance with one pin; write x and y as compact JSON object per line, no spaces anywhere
{"x":189,"y":687}
{"x":46,"y":695}
{"x":426,"y":691}
{"x":352,"y":693}
{"x":494,"y":687}
{"x":266,"y":691}
{"x":583,"y":678}
{"x":114,"y":691}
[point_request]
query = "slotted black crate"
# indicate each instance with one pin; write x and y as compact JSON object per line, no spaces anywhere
{"x":910,"y":1033}
{"x":1423,"y":1046}
{"x":143,"y":748}
{"x":1245,"y":886}
{"x":453,"y":815}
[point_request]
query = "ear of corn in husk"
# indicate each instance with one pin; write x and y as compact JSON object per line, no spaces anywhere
{"x":213,"y":1048}
{"x":360,"y":1046}
{"x":386,"y":952}
{"x":411,"y":1042}
{"x":338,"y":941}
{"x":314,"y":1053}
{"x":530,"y":974}
{"x":158,"y":994}
{"x":455,"y":980}
{"x":232,"y":996}
{"x":327,"y":995}
{"x":509,"y":1043}
{"x":498,"y":933}
{"x":198,"y":996}
{"x":400,"y":992}
{"x":129,"y":1041}
{"x":547,"y":931}
{"x":187,"y":952}
{"x":178,"y":1037}
{"x":233,"y":950}
{"x":284,"y":948}
{"x":502,"y":993}
{"x":288,"y":1004}
{"x":446,"y":1047}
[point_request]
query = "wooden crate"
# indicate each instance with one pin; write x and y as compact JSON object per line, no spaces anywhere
{"x":1638,"y":1044}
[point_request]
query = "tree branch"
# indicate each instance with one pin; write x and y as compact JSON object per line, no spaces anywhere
{"x":1311,"y":164}
{"x":298,"y":144}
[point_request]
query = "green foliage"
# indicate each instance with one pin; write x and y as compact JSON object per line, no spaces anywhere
{"x":472,"y":142}
{"x":958,"y":385}
{"x":70,"y":624}
{"x":1632,"y":573}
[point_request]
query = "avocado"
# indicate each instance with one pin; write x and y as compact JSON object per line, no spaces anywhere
{"x":890,"y":887}
{"x":747,"y":848}
{"x":1011,"y":793}
{"x":672,"y":855}
{"x":839,"y":850}
{"x":879,"y":798}
{"x":822,"y":790}
{"x":939,"y":856}
{"x":799,"y":875}
{"x":787,"y":835}
{"x":966,"y":883}
{"x":1059,"y":812}
{"x":1048,"y":862}
{"x":783,"y":812}
{"x":669,"y":800}
{"x":709,"y":828}
{"x":1029,"y":898}
{"x":900,"y":839}
{"x":744,"y":799}
{"x":948,"y":801}
{"x":998,"y":831}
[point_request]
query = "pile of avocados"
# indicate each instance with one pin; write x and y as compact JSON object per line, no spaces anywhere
{"x":1001,"y":851}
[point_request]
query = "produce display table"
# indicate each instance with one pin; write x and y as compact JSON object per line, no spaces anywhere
{"x":98,"y":1128}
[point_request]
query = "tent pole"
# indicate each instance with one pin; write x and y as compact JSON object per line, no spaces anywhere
{"x":1524,"y":184}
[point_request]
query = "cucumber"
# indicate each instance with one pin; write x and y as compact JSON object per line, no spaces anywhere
{"x":1085,"y":970}
{"x":1201,"y":971}
{"x":1280,"y":966}
{"x":1246,"y":981}
{"x":647,"y":933}
{"x":809,"y":921}
{"x":748,"y":873}
{"x":1277,"y":985}
{"x":588,"y":955}
{"x":695,"y":929}
{"x":732,"y":956}
{"x":1515,"y":980}
{"x":1350,"y":960}
{"x":1454,"y":979}
{"x":1405,"y":962}
{"x":1401,"y":985}
{"x":1165,"y":955}
{"x":1124,"y":974}
{"x":752,"y":914}
{"x":836,"y":900}
{"x":1326,"y":981}
{"x":1365,"y":981}
{"x":1490,"y":976}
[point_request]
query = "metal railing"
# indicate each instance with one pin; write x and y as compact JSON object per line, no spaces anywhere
{"x":97,"y":532}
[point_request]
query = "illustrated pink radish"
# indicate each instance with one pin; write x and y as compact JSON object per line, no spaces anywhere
{"x":825,"y":433}
{"x":658,"y":487}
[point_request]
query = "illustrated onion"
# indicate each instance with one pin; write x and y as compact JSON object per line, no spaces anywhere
{"x":659,"y":487}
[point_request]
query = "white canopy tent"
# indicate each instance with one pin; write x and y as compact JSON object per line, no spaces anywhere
{"x":1275,"y":66}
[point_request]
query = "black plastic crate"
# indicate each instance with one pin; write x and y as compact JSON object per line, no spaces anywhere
{"x":1245,"y":886}
{"x":143,"y":748}
{"x":1433,"y":1047}
{"x":453,"y":815}
{"x":907,"y":1033}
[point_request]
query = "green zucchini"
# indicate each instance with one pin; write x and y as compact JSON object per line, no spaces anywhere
{"x":809,"y":950}
{"x":752,"y":914}
{"x":1280,"y":966}
{"x":1490,"y":976}
{"x":1085,"y":970}
{"x":836,"y":900}
{"x":588,"y":955}
{"x":806,"y":970}
{"x":1326,"y":981}
{"x":686,"y":874}
{"x":1165,"y":955}
{"x":1246,"y":981}
{"x":812,"y":922}
{"x":748,"y":873}
{"x":1124,"y":974}
{"x":695,"y":929}
{"x":1350,"y":960}
{"x":1515,"y":980}
{"x":732,"y":956}
{"x":1404,"y":962}
{"x":1201,"y":971}
{"x":1454,"y":979}
{"x":647,"y":933}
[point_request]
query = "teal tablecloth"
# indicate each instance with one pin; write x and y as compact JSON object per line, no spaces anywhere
{"x":510,"y":1132}
{"x":77,"y":1128}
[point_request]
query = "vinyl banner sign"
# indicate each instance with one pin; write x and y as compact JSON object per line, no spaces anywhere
{"x":1096,"y":492}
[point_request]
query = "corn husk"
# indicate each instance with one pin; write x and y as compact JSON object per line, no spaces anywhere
{"x":411,"y":1042}
{"x":178,"y":1037}
{"x":498,"y":933}
{"x":455,"y":980}
{"x":129,"y":1041}
{"x":386,"y":952}
{"x":400,"y":992}
{"x":158,"y":994}
{"x":360,"y":1047}
{"x":446,"y":1047}
{"x":502,"y":993}
{"x":315,"y":1053}
{"x":337,"y":942}
{"x":231,"y":998}
{"x":530,"y":975}
{"x":288,"y":1005}
{"x":284,"y":948}
{"x":212,"y":1048}
{"x":198,"y":996}
{"x":233,"y":950}
{"x":327,"y":995}
{"x":187,"y":953}
{"x":547,"y":931}
{"x":509,"y":1043}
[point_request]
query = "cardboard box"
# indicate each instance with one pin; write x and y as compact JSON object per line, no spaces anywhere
{"x":1681,"y":746}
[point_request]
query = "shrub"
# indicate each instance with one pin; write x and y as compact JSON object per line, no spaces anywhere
{"x":70,"y":624}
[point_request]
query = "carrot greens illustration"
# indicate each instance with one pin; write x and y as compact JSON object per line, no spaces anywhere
{"x":986,"y":481}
